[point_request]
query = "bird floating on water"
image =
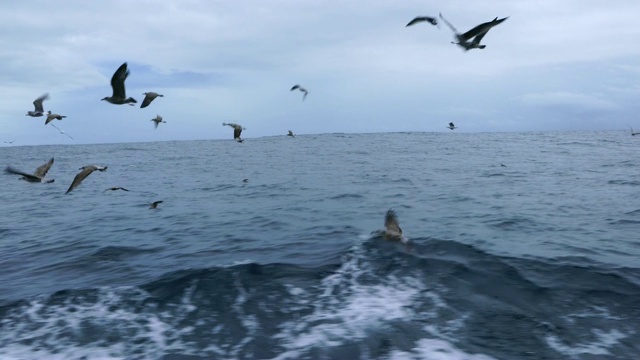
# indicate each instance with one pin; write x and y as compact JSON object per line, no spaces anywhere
{"x":391,"y":226}
{"x":451,"y":126}
{"x":148,"y":98}
{"x":119,"y":96}
{"x":85,"y":171}
{"x":37,"y":103}
{"x":237,"y":130}
{"x":290,"y":133}
{"x":303,"y":90}
{"x":37,"y":176}
{"x":431,"y":20}
{"x":158,"y":120}
{"x":51,"y":117}
{"x":154,"y":204}
{"x":477,"y":33}
{"x":114,"y":188}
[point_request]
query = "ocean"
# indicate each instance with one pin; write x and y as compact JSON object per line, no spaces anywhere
{"x":521,"y":246}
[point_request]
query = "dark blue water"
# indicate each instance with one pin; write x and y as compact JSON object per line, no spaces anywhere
{"x":537,"y":259}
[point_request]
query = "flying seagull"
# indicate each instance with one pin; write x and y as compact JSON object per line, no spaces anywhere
{"x":634,"y":133}
{"x":119,"y":96}
{"x":61,"y":131}
{"x":158,"y":120}
{"x":431,"y":20}
{"x":237,"y":130}
{"x":291,"y":134}
{"x":51,"y":117}
{"x":477,"y":33}
{"x":303,"y":90}
{"x":37,"y":176}
{"x":9,"y":142}
{"x":148,"y":98}
{"x":37,"y":103}
{"x":154,"y":204}
{"x":451,"y":126}
{"x":85,"y":171}
{"x":114,"y":188}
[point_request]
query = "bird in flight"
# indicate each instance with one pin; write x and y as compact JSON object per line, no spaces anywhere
{"x":451,"y":126}
{"x":114,"y":188}
{"x":119,"y":96}
{"x":237,"y":130}
{"x":37,"y":103}
{"x":291,"y":134}
{"x":61,"y":131}
{"x":37,"y":176}
{"x":148,"y":98}
{"x":84,"y":172}
{"x":471,"y":39}
{"x":634,"y":133}
{"x":431,"y":20}
{"x":9,"y":142}
{"x":158,"y":120}
{"x":51,"y":117}
{"x":303,"y":90}
{"x":155,"y":204}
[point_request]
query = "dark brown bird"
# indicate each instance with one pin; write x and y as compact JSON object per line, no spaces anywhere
{"x":419,"y":19}
{"x":84,"y":172}
{"x":119,"y":96}
{"x":148,"y":98}
{"x":303,"y":90}
{"x":291,"y":134}
{"x":158,"y":120}
{"x":37,"y":176}
{"x":391,"y":225}
{"x":476,"y":33}
{"x":116,"y":188}
{"x":51,"y":117}
{"x":237,"y":130}
{"x":155,"y":204}
{"x":37,"y":103}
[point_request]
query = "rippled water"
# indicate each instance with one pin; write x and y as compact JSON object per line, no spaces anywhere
{"x":536,"y":259}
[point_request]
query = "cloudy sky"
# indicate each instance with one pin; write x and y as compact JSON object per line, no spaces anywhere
{"x":553,"y":65}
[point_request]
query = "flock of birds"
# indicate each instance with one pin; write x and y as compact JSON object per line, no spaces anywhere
{"x":467,"y":40}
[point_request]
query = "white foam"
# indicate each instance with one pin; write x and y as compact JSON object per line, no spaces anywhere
{"x":435,"y":349}
{"x":604,"y":340}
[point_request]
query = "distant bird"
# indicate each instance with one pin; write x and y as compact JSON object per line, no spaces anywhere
{"x":391,"y":226}
{"x":431,"y":20}
{"x":291,"y":134}
{"x":37,"y":103}
{"x":9,"y":142}
{"x":633,"y":133}
{"x":61,"y":131}
{"x":245,"y":180}
{"x":158,"y":120}
{"x":298,"y":87}
{"x":148,"y":98}
{"x":451,"y":126}
{"x":115,"y":188}
{"x":155,"y":204}
{"x":119,"y":96}
{"x":37,"y":176}
{"x":477,"y":33}
{"x":237,"y":130}
{"x":51,"y":117}
{"x":503,"y":165}
{"x":85,"y":171}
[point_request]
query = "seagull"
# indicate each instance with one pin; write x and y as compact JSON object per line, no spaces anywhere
{"x":477,"y":33}
{"x":634,"y":133}
{"x":37,"y":176}
{"x":119,"y":96}
{"x":431,"y":20}
{"x":51,"y":117}
{"x":154,"y":204}
{"x":158,"y":120}
{"x":301,"y":89}
{"x":37,"y":103}
{"x":451,"y":126}
{"x":391,"y":226}
{"x":291,"y":134}
{"x":61,"y":131}
{"x":85,"y":171}
{"x":237,"y":129}
{"x":148,"y":98}
{"x":9,"y":142}
{"x":115,"y":188}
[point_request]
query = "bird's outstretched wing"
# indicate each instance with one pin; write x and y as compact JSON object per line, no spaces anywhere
{"x":42,"y":170}
{"x":117,"y":81}
{"x":419,"y":19}
{"x":449,"y":24}
{"x":391,"y":223}
{"x":10,"y":170}
{"x":86,"y":171}
{"x":38,"y":102}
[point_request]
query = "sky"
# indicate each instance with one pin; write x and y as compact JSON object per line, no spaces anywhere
{"x":551,"y":66}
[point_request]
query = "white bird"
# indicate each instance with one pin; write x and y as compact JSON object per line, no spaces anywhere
{"x":119,"y":96}
{"x":303,"y":90}
{"x":62,"y":131}
{"x":477,"y":33}
{"x":37,"y":103}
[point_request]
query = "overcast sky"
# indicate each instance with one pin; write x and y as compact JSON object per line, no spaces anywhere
{"x":553,"y":65}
